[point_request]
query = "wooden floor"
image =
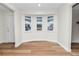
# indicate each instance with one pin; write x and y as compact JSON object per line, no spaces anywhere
{"x":35,"y":48}
{"x":75,"y":49}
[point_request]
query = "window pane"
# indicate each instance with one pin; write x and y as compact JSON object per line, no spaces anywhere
{"x":50,"y":23}
{"x":27,"y":18}
{"x":39,"y":23}
{"x":50,"y":27}
{"x":39,"y":26}
{"x":39,"y":19}
{"x":27,"y":23}
{"x":50,"y":18}
{"x":27,"y":27}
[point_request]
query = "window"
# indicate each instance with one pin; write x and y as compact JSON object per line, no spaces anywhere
{"x":39,"y":23}
{"x":50,"y":23}
{"x":39,"y":26}
{"x":27,"y":23}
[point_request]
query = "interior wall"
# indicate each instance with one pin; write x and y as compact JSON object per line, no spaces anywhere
{"x":65,"y":26}
{"x":1,"y":26}
{"x":75,"y":26}
{"x":17,"y":28}
{"x":43,"y":35}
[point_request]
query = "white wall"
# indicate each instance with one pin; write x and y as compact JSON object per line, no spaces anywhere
{"x":17,"y":27}
{"x":1,"y":26}
{"x":65,"y":26}
{"x":43,"y":35}
{"x":75,"y":26}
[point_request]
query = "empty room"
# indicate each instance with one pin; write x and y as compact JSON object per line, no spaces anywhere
{"x":38,"y":29}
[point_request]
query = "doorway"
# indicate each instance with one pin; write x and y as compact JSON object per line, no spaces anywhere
{"x":6,"y":24}
{"x":75,"y":29}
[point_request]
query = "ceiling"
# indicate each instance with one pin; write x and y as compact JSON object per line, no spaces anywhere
{"x":34,"y":6}
{"x":4,"y":8}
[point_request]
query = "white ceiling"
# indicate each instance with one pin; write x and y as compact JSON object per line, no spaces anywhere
{"x":34,"y":6}
{"x":4,"y":8}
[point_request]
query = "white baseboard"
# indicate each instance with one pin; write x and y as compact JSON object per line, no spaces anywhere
{"x":5,"y":42}
{"x":1,"y":42}
{"x":8,"y":41}
{"x":17,"y":45}
{"x":75,"y":41}
{"x":38,"y":40}
{"x":68,"y":50}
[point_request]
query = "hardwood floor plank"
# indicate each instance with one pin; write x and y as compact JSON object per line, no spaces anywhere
{"x":75,"y":49}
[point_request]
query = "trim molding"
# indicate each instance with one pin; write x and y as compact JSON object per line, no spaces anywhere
{"x":68,"y":50}
{"x":38,"y":40}
{"x":75,"y":41}
{"x":17,"y":45}
{"x":75,"y":5}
